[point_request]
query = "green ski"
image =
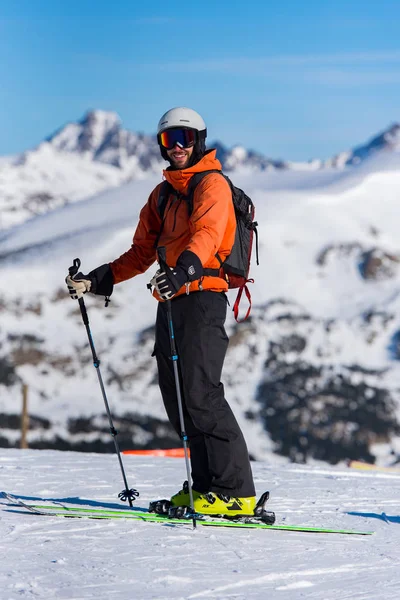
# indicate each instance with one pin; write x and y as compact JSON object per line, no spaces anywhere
{"x":144,"y":515}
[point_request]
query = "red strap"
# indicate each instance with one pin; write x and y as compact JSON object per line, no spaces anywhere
{"x":238,"y":298}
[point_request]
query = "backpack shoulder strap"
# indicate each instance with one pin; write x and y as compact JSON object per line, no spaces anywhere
{"x":193,"y":183}
{"x":165,"y":190}
{"x":195,"y":180}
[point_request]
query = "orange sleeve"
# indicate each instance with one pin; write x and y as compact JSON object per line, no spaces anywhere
{"x":212,"y":211}
{"x":142,"y":254}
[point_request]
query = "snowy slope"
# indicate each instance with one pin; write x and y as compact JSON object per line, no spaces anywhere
{"x":51,"y":557}
{"x":325,"y":320}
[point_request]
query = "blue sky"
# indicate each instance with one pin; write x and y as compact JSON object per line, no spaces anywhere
{"x":294,"y":79}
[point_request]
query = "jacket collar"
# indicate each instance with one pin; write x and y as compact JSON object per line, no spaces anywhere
{"x":180,"y":179}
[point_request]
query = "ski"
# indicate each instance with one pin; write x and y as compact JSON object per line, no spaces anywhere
{"x":144,"y":515}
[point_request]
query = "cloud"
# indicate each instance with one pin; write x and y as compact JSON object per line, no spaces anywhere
{"x":338,"y":69}
{"x":354,"y":78}
{"x":268,"y":64}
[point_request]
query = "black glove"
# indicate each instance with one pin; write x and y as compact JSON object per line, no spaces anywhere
{"x":100,"y":281}
{"x":169,"y":280}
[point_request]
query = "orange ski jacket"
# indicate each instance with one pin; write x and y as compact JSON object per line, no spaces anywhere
{"x":209,"y":230}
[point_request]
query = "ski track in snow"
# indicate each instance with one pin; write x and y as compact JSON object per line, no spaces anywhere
{"x":69,"y":559}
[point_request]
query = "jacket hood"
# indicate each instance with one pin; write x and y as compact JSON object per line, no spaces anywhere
{"x":180,"y":179}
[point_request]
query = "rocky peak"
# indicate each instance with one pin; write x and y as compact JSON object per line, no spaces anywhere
{"x":387,"y":140}
{"x":96,"y":127}
{"x":87,"y":135}
{"x":99,"y":136}
{"x":239,"y":157}
{"x":102,"y":118}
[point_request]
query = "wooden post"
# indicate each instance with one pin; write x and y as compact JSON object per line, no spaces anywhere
{"x":24,"y":417}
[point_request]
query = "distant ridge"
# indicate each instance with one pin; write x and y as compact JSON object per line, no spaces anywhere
{"x":96,"y":153}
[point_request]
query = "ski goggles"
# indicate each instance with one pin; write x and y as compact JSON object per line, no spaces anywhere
{"x":185,"y":138}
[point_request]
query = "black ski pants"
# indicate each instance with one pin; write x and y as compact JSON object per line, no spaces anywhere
{"x":219,"y":457}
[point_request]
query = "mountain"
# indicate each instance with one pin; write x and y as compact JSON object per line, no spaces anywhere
{"x":79,"y":160}
{"x":83,"y":158}
{"x":313,"y":374}
{"x":385,"y":142}
{"x":96,"y":153}
{"x":100,"y":137}
{"x":240,"y":159}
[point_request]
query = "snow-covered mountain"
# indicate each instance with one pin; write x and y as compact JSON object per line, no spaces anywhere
{"x":96,"y":153}
{"x":315,"y":372}
{"x":79,"y":160}
{"x":386,"y":141}
{"x":100,"y":137}
{"x":86,"y":157}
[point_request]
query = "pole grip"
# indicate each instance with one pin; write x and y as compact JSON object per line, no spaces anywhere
{"x":75,"y":267}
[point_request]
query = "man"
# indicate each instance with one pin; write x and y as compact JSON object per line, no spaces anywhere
{"x":221,"y":472}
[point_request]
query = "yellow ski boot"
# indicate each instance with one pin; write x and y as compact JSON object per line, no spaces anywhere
{"x":182,"y":497}
{"x":225,"y":506}
{"x":179,"y":500}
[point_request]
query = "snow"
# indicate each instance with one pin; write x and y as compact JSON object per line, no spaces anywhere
{"x":99,"y":123}
{"x":96,"y":153}
{"x":75,"y":559}
{"x":301,"y":215}
{"x":79,"y":160}
{"x":45,"y":173}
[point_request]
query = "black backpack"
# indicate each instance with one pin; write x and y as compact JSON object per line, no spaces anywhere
{"x":235,"y":268}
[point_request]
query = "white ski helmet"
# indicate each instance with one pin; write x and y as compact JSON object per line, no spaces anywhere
{"x":181,"y":117}
{"x":184,"y":117}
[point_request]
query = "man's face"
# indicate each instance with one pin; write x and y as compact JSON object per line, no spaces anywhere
{"x":180,"y":157}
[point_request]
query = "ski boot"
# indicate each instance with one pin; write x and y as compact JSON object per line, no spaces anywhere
{"x":245,"y":510}
{"x":177,"y":506}
{"x":225,"y":506}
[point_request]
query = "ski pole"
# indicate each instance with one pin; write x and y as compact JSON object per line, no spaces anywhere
{"x":174,"y":357}
{"x":126,"y":494}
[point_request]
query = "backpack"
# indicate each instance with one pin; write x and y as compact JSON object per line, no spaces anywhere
{"x":235,"y":268}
